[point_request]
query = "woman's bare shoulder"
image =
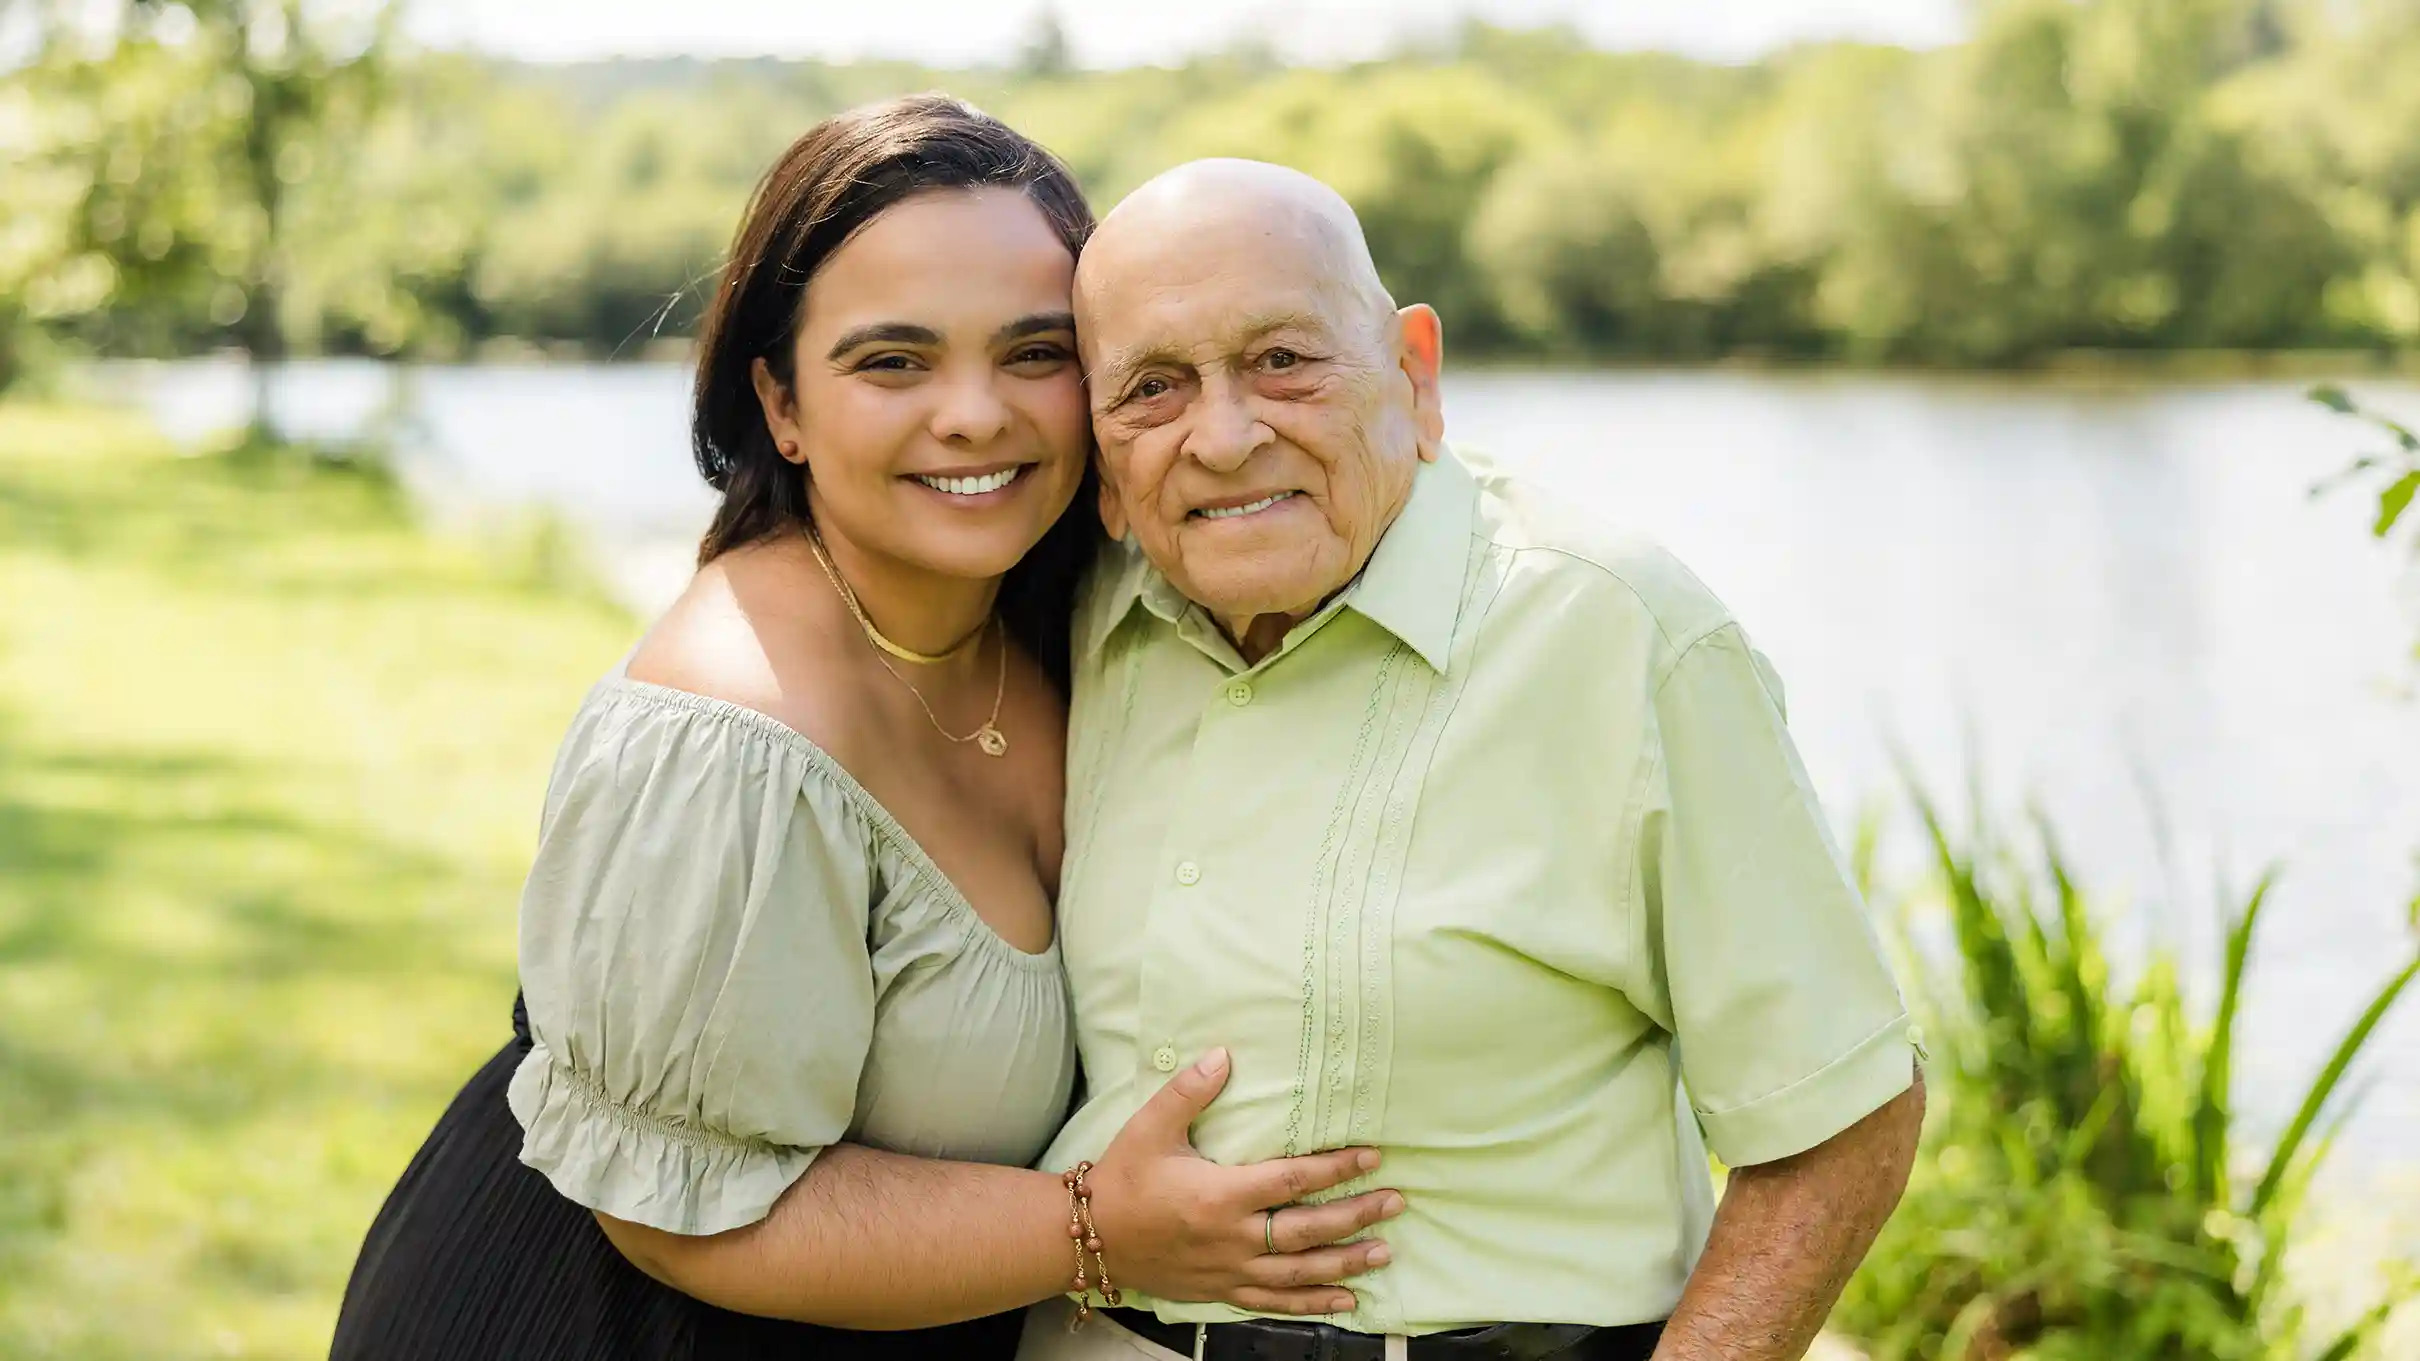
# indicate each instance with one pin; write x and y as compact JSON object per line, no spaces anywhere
{"x":746,"y":631}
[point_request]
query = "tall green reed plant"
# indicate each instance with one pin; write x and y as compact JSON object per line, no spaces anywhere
{"x":2085,"y":1192}
{"x":2390,"y":471}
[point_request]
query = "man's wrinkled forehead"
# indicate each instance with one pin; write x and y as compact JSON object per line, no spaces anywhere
{"x":1207,"y":291}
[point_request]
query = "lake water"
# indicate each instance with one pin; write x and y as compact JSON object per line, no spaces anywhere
{"x":2113,"y":598}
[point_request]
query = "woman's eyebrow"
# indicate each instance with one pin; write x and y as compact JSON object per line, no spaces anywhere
{"x":1040,"y":323}
{"x":890,"y":332}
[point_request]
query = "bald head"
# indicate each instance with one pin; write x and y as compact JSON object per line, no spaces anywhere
{"x":1283,"y":215}
{"x":1261,"y":405}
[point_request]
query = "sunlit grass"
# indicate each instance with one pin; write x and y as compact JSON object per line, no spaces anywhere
{"x":270,"y":764}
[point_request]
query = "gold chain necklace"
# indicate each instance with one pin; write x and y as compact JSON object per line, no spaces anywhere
{"x":874,"y":635}
{"x":987,"y":738}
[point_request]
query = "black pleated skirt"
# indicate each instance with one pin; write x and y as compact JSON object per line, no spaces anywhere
{"x":475,"y":1257}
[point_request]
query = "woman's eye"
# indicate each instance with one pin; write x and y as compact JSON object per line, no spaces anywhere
{"x":1039,"y":354}
{"x":886,"y":363}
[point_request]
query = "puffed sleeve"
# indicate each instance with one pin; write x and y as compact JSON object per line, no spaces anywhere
{"x":1789,"y":1025}
{"x":693,"y":954}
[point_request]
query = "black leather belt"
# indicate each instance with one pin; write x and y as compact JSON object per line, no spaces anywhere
{"x":1286,"y":1340}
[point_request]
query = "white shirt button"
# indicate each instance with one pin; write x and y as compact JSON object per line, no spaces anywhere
{"x":1188,"y":873}
{"x":1239,"y":693}
{"x":1164,"y":1058}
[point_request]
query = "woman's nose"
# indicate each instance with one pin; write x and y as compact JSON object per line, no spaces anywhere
{"x":971,"y":413}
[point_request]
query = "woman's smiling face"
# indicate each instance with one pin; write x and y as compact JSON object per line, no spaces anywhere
{"x":936,"y":398}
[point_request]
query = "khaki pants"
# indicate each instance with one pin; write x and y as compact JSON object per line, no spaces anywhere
{"x":1047,"y":1339}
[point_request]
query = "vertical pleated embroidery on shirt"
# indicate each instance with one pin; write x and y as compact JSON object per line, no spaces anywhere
{"x":1482,"y":579}
{"x":1347,"y":1021}
{"x":1315,"y":915}
{"x":1356,"y":915}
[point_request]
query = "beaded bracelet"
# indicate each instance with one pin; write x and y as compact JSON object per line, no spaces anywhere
{"x":1087,"y":1236}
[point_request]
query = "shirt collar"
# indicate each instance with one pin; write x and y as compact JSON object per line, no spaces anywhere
{"x":1412,"y":585}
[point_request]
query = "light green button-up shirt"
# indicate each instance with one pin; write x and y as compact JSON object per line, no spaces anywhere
{"x":1492,"y":859}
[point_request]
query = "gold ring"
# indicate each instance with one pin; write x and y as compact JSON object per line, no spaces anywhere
{"x":1268,"y":1230}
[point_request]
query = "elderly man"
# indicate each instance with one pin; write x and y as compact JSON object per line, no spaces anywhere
{"x":1468,"y":826}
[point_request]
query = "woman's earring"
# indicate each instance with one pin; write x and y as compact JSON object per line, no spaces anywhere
{"x":789,"y":450}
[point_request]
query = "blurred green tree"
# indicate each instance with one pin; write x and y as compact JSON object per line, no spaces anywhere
{"x":1047,"y":54}
{"x":300,"y":79}
{"x":2339,"y":117}
{"x":190,"y":130}
{"x":1563,"y":241}
{"x":2112,"y":174}
{"x":2060,"y":182}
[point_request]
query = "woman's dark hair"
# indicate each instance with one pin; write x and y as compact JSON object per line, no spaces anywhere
{"x":845,"y":172}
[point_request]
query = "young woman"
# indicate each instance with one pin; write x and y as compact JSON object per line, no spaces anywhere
{"x":794,"y":1021}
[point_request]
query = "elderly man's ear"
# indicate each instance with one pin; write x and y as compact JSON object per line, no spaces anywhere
{"x":1423,"y":358}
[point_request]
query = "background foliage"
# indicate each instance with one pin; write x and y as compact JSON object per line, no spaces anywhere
{"x":2128,"y":174}
{"x":2089,"y":1189}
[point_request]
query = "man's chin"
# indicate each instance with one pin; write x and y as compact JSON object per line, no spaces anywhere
{"x":1292,"y":579}
{"x":1236,"y":602}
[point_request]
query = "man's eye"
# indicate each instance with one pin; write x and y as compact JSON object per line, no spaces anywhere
{"x":1153,"y":387}
{"x":1281,"y":359}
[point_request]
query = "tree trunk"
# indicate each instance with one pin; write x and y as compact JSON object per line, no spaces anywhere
{"x":263,"y":331}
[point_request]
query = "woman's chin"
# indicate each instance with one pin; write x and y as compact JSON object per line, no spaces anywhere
{"x":972,"y":554}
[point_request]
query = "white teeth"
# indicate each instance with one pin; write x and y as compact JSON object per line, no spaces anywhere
{"x":972,"y":486}
{"x":1230,"y":512}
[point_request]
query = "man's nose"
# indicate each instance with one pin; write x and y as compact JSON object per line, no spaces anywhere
{"x":970,"y":412}
{"x":1226,"y":432}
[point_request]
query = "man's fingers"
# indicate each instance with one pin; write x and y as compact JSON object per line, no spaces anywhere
{"x":1169,"y":1115}
{"x":1290,"y":1179}
{"x":1307,"y":1226}
{"x":1321,"y":1266}
{"x":1300,"y":1303}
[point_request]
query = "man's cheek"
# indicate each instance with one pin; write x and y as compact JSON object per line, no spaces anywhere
{"x":1112,"y":510}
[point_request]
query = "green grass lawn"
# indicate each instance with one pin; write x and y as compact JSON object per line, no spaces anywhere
{"x":271,"y":758}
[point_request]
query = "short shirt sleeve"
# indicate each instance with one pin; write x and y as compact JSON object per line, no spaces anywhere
{"x":1788,"y":1023}
{"x":694,"y":959}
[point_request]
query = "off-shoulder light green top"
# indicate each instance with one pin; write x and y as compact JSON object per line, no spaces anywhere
{"x":733,"y":957}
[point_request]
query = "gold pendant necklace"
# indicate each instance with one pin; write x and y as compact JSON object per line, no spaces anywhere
{"x":987,"y":738}
{"x":875,"y":635}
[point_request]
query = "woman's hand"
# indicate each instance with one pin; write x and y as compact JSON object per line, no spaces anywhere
{"x":1178,"y":1226}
